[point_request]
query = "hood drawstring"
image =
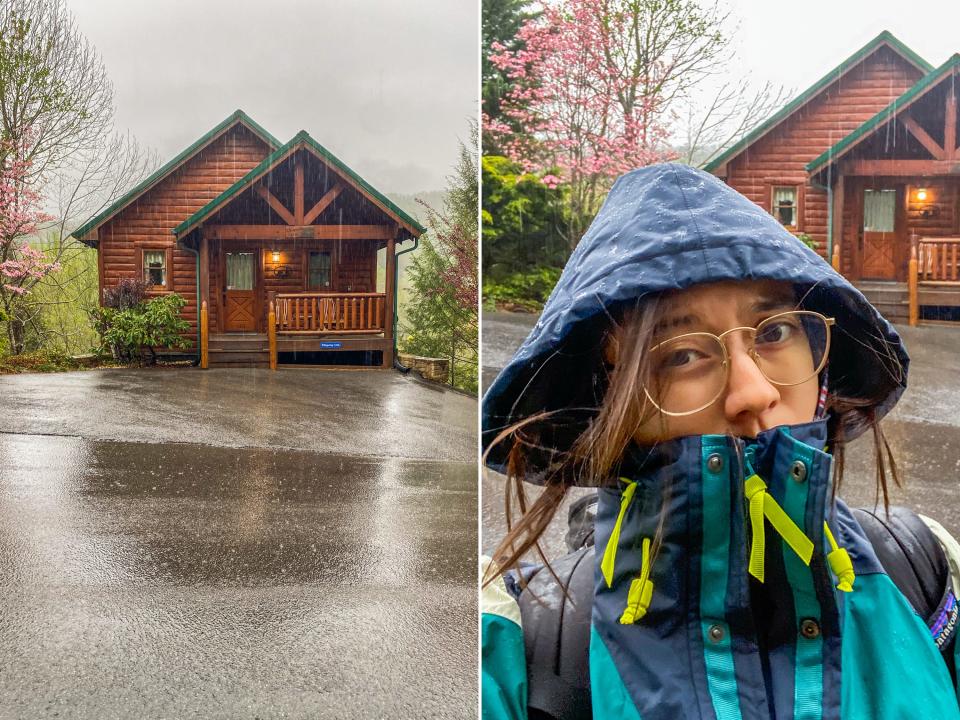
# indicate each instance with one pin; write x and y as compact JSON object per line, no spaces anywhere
{"x":610,"y":552}
{"x":641,"y":590}
{"x":840,"y":562}
{"x":762,"y":505}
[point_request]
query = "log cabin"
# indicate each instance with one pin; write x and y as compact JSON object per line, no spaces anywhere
{"x":865,"y":163}
{"x":273,"y":246}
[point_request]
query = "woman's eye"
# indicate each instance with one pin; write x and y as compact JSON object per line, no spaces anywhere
{"x":676,"y":359}
{"x":777,"y":332}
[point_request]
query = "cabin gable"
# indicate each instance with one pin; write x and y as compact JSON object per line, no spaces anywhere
{"x":146,"y":223}
{"x":776,"y":162}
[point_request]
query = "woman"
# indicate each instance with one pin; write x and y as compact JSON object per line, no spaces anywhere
{"x":705,"y":370}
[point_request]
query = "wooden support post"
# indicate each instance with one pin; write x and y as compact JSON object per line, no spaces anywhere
{"x":912,"y":271}
{"x":205,"y":270}
{"x":836,"y":232}
{"x":272,"y":329}
{"x":388,"y":329}
{"x":204,"y":337}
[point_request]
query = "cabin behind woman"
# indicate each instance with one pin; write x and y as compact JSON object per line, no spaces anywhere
{"x":866,"y":164}
{"x":238,"y":223}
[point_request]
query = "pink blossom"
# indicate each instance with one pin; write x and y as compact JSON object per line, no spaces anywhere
{"x":21,"y":266}
{"x":586,"y":109}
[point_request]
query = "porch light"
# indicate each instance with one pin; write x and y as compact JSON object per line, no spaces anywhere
{"x":276,"y":256}
{"x":921,"y":194}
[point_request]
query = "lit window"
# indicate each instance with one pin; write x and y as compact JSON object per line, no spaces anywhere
{"x":785,"y":205}
{"x":155,"y":268}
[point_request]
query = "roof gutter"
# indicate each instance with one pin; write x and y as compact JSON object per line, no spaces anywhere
{"x":396,"y":294}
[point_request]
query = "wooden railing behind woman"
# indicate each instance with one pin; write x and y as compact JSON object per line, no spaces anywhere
{"x":330,"y":313}
{"x":933,"y":262}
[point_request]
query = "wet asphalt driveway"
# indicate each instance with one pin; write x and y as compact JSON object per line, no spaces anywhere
{"x":236,"y":543}
{"x":923,"y":431}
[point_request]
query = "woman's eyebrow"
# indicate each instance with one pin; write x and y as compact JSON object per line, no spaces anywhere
{"x":677,"y":321}
{"x":772,"y":303}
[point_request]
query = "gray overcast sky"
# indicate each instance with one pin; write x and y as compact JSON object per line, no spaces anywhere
{"x":795,"y":44}
{"x":387,"y":86}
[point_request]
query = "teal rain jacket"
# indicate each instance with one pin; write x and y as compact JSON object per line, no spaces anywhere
{"x":692,"y":633}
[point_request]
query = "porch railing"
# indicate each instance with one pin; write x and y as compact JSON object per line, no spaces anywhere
{"x":933,"y":261}
{"x":937,"y":259}
{"x":330,"y":312}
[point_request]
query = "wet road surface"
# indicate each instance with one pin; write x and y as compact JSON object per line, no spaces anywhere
{"x":158,"y":558}
{"x":923,"y":431}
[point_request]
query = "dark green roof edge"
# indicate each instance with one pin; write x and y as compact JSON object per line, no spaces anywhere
{"x":301,"y":137}
{"x":844,"y":144}
{"x":238,"y":116}
{"x":884,"y":37}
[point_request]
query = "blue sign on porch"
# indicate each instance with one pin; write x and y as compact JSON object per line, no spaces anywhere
{"x":329,"y":345}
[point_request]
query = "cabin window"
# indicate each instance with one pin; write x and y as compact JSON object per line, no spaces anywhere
{"x":155,"y":268}
{"x":240,"y":270}
{"x":879,"y":210}
{"x":785,"y":205}
{"x":319,"y":271}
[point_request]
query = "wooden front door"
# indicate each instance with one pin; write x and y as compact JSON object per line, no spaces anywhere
{"x":240,"y":306}
{"x":881,"y":252}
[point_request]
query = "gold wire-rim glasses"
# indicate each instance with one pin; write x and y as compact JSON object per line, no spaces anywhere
{"x":725,"y":363}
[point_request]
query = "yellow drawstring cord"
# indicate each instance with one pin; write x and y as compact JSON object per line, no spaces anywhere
{"x":763,"y":505}
{"x":610,"y":553}
{"x":641,"y":590}
{"x":840,"y":562}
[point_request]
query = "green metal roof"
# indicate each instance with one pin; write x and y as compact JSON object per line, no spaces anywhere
{"x":884,"y":38}
{"x":237,"y":117}
{"x":901,"y":103}
{"x":301,"y":139}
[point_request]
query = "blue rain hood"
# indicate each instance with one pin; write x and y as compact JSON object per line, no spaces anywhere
{"x":662,"y":228}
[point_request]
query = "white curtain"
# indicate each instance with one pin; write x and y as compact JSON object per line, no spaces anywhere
{"x":879,"y":210}
{"x":240,"y":271}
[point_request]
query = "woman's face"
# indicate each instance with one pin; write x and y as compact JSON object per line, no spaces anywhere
{"x":748,"y":403}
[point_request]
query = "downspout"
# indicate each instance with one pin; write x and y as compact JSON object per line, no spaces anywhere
{"x":396,"y":295}
{"x":197,"y":277}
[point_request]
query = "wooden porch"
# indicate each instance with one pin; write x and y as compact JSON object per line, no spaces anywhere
{"x":933,"y":274}
{"x":933,"y":281}
{"x":308,"y":324}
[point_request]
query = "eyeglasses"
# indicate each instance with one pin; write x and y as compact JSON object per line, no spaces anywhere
{"x":688,"y":373}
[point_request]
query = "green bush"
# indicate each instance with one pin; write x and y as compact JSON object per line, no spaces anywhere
{"x":132,"y":332}
{"x":522,"y":290}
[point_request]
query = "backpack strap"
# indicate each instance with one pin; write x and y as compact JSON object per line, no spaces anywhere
{"x":556,"y":633}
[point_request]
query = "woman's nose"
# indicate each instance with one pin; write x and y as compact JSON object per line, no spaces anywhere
{"x":749,"y":393}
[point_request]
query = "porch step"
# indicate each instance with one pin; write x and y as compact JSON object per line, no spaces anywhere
{"x":249,"y":345}
{"x":236,"y":358}
{"x":891,"y":299}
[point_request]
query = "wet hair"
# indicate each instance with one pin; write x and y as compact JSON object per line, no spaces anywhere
{"x":604,"y":432}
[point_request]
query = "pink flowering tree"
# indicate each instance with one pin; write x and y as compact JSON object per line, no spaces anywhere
{"x":594,"y":86}
{"x":22,"y":265}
